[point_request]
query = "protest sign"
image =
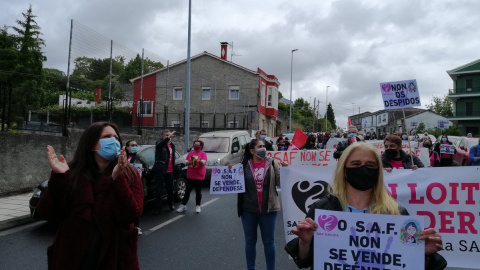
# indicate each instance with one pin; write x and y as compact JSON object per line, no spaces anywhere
{"x":400,"y":94}
{"x":443,"y":124}
{"x":139,"y":167}
{"x":447,"y":198}
{"x":447,"y":149}
{"x":227,"y":181}
{"x":324,"y":157}
{"x":347,"y":240}
{"x":413,"y":123}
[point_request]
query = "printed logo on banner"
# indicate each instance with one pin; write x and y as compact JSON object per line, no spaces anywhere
{"x":386,"y":87}
{"x":216,"y":171}
{"x":327,"y":222}
{"x":410,"y":233}
{"x":305,"y":194}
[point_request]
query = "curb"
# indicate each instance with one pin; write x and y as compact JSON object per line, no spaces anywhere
{"x":16,"y":221}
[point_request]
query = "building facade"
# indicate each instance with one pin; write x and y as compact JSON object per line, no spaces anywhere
{"x":465,"y":97}
{"x":223,"y":95}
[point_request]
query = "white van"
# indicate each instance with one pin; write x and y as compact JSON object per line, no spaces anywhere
{"x":223,"y":147}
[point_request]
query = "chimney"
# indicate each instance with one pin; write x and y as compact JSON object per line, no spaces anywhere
{"x":223,"y":50}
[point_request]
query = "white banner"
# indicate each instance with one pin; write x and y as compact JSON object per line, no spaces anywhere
{"x":401,"y":94}
{"x":324,"y":157}
{"x":227,"y":181}
{"x":347,"y":240}
{"x":448,"y":198}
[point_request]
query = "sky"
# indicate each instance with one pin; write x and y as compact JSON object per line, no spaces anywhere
{"x":349,"y":45}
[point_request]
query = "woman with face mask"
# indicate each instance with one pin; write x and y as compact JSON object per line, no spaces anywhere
{"x":395,"y":158}
{"x":446,"y":160}
{"x":310,"y":143}
{"x":434,"y":157}
{"x":196,"y":171}
{"x":95,"y":198}
{"x":258,"y":206}
{"x":358,"y":187}
{"x":131,"y":148}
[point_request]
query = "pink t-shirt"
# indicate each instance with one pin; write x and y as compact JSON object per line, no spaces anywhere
{"x":397,"y":164}
{"x":170,"y":161}
{"x":199,"y":171}
{"x":259,"y":177}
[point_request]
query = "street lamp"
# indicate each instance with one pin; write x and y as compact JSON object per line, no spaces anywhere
{"x":291,"y":85}
{"x":326,"y":108}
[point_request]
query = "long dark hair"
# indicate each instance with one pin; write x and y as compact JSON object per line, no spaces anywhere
{"x":251,"y":145}
{"x":83,"y":163}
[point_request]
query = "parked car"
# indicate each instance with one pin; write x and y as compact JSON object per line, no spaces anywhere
{"x":462,"y":147}
{"x":148,"y":152}
{"x":221,"y":147}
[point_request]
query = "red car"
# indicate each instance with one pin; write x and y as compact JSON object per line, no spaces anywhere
{"x":463,"y":146}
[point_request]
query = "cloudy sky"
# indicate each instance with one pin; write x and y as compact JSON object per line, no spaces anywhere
{"x":348,"y":45}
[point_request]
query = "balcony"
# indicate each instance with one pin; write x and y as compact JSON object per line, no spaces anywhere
{"x":474,"y":91}
{"x":474,"y":115}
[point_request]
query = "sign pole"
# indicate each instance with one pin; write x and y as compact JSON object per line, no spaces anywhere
{"x":406,"y":129}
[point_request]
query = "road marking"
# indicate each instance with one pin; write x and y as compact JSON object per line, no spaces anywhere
{"x":159,"y":226}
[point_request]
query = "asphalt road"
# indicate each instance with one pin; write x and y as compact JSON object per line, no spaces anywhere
{"x":210,"y":240}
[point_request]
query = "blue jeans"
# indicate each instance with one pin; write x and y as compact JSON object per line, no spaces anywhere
{"x":250,"y":222}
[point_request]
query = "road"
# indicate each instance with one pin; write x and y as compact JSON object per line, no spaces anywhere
{"x":210,"y":240}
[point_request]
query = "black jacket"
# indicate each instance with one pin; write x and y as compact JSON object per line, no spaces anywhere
{"x":341,"y":146}
{"x":432,"y":262}
{"x":162,"y":156}
{"x":406,"y":160}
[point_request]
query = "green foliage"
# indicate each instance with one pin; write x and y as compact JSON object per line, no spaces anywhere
{"x":134,"y":68}
{"x":442,"y":106}
{"x":452,"y":130}
{"x":331,"y":116}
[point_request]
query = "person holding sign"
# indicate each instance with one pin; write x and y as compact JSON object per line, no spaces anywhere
{"x":259,"y":205}
{"x":196,"y":171}
{"x":446,"y":160}
{"x":131,"y":148}
{"x":395,"y":157}
{"x":358,"y":187}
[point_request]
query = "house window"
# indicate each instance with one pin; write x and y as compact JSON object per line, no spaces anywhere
{"x":175,"y":123}
{"x":145,"y":108}
{"x":234,"y":92}
{"x":468,"y":85}
{"x":177,"y":93}
{"x":233,"y":124}
{"x":270,"y":97}
{"x":262,"y":94}
{"x":206,"y":93}
{"x":469,"y":108}
{"x":205,"y":124}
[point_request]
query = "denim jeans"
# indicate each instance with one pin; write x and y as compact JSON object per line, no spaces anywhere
{"x":160,"y":179}
{"x":250,"y":222}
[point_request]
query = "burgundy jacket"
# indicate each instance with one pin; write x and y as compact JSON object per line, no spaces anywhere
{"x":104,"y":206}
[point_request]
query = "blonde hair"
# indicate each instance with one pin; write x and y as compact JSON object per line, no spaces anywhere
{"x":382,"y":202}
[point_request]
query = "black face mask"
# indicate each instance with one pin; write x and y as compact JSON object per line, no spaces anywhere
{"x":427,"y":146}
{"x":391,"y":153}
{"x":361,"y":178}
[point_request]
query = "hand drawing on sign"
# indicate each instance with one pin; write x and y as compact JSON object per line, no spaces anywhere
{"x":305,"y":194}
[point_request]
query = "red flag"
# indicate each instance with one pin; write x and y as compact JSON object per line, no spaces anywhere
{"x":299,"y":139}
{"x":349,"y":121}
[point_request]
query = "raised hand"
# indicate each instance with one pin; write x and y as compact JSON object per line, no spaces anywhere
{"x":57,"y":164}
{"x":121,"y":165}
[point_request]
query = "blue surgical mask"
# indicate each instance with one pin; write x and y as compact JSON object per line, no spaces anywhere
{"x":109,"y":148}
{"x":404,"y":137}
{"x":444,"y":139}
{"x":351,"y":135}
{"x":262,"y":137}
{"x":133,"y":149}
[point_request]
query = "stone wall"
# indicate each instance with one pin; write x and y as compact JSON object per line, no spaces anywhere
{"x":23,"y":163}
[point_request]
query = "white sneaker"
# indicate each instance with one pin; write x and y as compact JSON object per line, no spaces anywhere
{"x":197,"y":209}
{"x":182,"y":208}
{"x":139,"y":230}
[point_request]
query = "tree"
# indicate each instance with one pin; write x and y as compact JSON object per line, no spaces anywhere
{"x":8,"y":60}
{"x":29,"y":63}
{"x":442,"y":106}
{"x":331,"y":116}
